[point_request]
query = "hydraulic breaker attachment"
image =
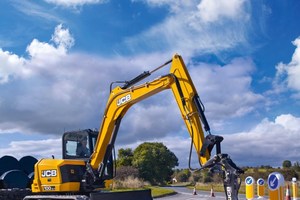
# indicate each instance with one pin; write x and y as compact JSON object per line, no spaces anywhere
{"x":223,"y":163}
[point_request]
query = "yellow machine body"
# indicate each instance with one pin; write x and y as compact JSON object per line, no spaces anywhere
{"x":53,"y":175}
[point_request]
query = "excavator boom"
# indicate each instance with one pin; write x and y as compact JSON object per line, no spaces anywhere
{"x":123,"y":97}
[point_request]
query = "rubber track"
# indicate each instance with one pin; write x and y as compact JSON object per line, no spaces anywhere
{"x":20,"y":194}
{"x":14,"y":194}
{"x":54,"y":197}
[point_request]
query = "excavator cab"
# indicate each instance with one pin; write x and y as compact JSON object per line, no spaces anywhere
{"x":78,"y":144}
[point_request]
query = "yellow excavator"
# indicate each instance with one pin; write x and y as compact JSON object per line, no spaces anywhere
{"x":82,"y":175}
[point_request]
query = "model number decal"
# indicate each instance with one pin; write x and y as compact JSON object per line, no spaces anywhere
{"x":49,"y":188}
{"x":123,"y":99}
{"x":229,"y":192}
{"x":49,"y":173}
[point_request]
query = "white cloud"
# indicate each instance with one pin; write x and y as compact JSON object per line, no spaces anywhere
{"x":62,"y":37}
{"x":287,"y":75}
{"x":185,"y":30}
{"x":293,"y":68}
{"x":214,"y":10}
{"x":61,"y":90}
{"x":289,"y":122}
{"x":268,"y":143}
{"x":226,"y":90}
{"x":159,"y":111}
{"x":36,"y":148}
{"x":11,"y":66}
{"x":74,"y":3}
{"x":41,"y":54}
{"x":41,"y":51}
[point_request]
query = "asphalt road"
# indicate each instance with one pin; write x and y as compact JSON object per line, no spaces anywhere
{"x":184,"y":193}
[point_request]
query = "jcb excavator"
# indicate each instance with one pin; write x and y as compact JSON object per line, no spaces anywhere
{"x":80,"y":176}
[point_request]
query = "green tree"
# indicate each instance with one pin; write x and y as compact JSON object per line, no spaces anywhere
{"x":288,"y":174}
{"x":125,"y":157}
{"x":154,"y":162}
{"x":296,"y":166}
{"x":183,"y":175}
{"x":207,"y":176}
{"x":287,"y":164}
{"x":196,"y":176}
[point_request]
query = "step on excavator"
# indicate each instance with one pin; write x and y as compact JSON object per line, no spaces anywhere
{"x":87,"y":165}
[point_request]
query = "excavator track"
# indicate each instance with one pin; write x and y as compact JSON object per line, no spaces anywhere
{"x":54,"y":197}
{"x":14,"y":194}
{"x":26,"y":194}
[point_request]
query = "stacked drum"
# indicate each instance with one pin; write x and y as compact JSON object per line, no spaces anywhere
{"x":16,"y":173}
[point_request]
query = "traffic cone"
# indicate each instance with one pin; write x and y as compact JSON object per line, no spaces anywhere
{"x":287,"y":193}
{"x":194,"y":191}
{"x":212,"y":194}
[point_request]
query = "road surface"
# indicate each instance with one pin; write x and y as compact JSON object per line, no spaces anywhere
{"x":184,"y":193}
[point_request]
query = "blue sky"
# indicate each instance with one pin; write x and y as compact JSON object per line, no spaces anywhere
{"x":58,"y":57}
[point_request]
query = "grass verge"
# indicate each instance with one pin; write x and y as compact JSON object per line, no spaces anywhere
{"x":155,"y":191}
{"x":160,"y":192}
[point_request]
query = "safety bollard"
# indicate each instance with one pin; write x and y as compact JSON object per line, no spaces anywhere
{"x":249,"y":181}
{"x":260,"y":188}
{"x":276,"y":186}
{"x":294,"y":188}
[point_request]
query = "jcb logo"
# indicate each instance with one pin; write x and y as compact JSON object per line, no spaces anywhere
{"x":49,"y":173}
{"x":123,"y":100}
